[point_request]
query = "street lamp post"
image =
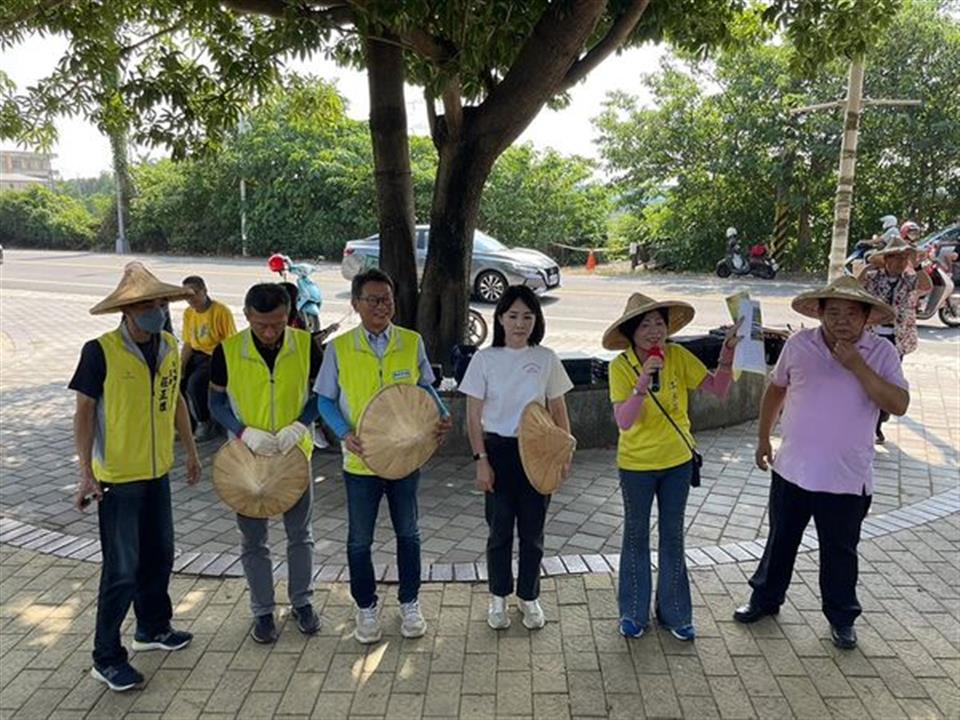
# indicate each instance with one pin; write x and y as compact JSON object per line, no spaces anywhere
{"x":242,"y":127}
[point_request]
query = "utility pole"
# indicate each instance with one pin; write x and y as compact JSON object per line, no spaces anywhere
{"x":853,"y":107}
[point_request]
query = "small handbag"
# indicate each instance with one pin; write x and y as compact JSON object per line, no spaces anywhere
{"x":695,"y":457}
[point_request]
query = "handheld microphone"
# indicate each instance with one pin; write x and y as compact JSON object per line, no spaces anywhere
{"x":655,"y":351}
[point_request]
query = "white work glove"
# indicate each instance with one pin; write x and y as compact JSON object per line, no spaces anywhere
{"x":260,"y":442}
{"x":289,"y":436}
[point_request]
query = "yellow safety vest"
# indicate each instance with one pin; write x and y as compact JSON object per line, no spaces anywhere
{"x":269,"y":400}
{"x":135,"y":417}
{"x":362,"y":374}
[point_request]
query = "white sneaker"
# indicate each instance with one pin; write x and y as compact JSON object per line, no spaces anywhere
{"x":533,"y":618}
{"x":368,"y":628}
{"x":412,"y":624}
{"x":497,"y":617}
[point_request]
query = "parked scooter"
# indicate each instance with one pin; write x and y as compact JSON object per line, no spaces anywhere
{"x":309,"y":298}
{"x":758,"y":262}
{"x":943,"y":299}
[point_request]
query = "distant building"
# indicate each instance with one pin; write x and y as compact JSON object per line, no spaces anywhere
{"x":20,"y":169}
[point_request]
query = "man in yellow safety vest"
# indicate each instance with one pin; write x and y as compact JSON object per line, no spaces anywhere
{"x":128,"y":402}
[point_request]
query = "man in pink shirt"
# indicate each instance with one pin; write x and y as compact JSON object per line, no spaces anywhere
{"x":831,"y":383}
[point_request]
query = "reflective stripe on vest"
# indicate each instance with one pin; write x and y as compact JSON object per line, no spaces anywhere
{"x":135,"y":418}
{"x":269,"y":400}
{"x":362,"y":374}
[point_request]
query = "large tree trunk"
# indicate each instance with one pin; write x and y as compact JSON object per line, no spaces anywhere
{"x":848,"y":163}
{"x":391,"y":160}
{"x":461,"y":174}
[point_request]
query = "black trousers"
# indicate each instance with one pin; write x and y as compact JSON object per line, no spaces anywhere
{"x":838,"y":519}
{"x":136,"y":541}
{"x":513,"y":502}
{"x":195,"y":386}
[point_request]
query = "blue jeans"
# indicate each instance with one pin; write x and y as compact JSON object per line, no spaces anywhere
{"x":136,"y":542}
{"x":364,"y":493}
{"x":671,"y":487}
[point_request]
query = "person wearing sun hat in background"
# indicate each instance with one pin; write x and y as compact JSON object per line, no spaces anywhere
{"x":128,"y":403}
{"x":891,"y":278}
{"x":654,"y":455}
{"x":830,"y":383}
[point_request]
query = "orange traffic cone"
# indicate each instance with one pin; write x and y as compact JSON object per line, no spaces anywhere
{"x":591,"y":262}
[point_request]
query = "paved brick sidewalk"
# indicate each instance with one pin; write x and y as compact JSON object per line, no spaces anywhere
{"x":907,"y":666}
{"x":40,"y":342}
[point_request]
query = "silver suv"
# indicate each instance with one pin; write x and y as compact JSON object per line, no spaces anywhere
{"x":493,"y":268}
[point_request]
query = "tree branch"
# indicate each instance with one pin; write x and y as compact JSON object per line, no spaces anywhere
{"x":278,"y":8}
{"x":453,"y":107}
{"x":150,"y":38}
{"x":431,"y":113}
{"x":539,"y":71}
{"x":434,"y":49}
{"x":615,"y":37}
{"x":30,"y":14}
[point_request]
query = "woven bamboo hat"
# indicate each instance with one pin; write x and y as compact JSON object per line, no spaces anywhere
{"x":544,"y":448}
{"x":260,"y":486}
{"x":398,"y":429}
{"x":679,"y":314}
{"x":136,"y":285}
{"x":895,"y":246}
{"x":844,"y":288}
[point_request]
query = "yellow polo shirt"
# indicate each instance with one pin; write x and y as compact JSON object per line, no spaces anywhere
{"x":203,"y":331}
{"x":653,"y":443}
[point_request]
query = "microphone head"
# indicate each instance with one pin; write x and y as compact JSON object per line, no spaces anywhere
{"x":656,"y":351}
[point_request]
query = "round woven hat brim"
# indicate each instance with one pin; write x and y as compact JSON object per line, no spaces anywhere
{"x":679,"y":315}
{"x":138,"y":285}
{"x":398,"y":430}
{"x":545,"y":448}
{"x":259,"y":486}
{"x":844,"y":288}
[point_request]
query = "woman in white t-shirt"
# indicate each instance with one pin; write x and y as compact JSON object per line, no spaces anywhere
{"x":499,"y":383}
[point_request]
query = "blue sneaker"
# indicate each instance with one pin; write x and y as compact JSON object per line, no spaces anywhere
{"x":170,"y":639}
{"x":119,"y":677}
{"x":630,"y":629}
{"x":686,"y":633}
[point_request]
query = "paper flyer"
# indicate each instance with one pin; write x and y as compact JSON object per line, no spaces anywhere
{"x":749,"y":355}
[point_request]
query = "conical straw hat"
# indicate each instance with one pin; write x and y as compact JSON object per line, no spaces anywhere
{"x":844,"y":288}
{"x":544,"y":448}
{"x":398,"y":430}
{"x":260,"y":486}
{"x":136,"y":285}
{"x":679,"y":314}
{"x":895,"y":246}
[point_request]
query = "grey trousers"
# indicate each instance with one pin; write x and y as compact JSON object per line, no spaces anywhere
{"x":255,"y":556}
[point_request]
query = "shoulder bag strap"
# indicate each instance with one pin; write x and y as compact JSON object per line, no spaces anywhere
{"x":676,"y":427}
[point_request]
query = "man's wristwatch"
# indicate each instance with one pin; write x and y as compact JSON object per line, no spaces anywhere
{"x":479,"y":456}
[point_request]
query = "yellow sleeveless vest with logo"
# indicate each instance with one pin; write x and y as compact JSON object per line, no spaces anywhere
{"x":269,"y":400}
{"x":362,"y":374}
{"x":135,"y":417}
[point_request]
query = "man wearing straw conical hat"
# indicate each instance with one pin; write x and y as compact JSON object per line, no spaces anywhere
{"x":830,"y":383}
{"x":356,"y":366}
{"x":260,"y":392}
{"x":128,"y":403}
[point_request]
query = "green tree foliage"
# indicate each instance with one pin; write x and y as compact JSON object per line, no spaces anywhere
{"x":719,"y":141}
{"x":536,"y":199}
{"x":41,"y":217}
{"x":308,"y":170}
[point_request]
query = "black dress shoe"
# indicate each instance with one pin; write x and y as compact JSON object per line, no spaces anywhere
{"x":750,"y":613}
{"x":844,"y":638}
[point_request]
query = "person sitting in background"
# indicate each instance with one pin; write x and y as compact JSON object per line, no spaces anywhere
{"x":206,"y":323}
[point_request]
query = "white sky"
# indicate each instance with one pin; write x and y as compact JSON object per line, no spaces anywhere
{"x":83,"y":152}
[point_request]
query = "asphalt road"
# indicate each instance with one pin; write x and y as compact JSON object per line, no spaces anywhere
{"x":576,"y":314}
